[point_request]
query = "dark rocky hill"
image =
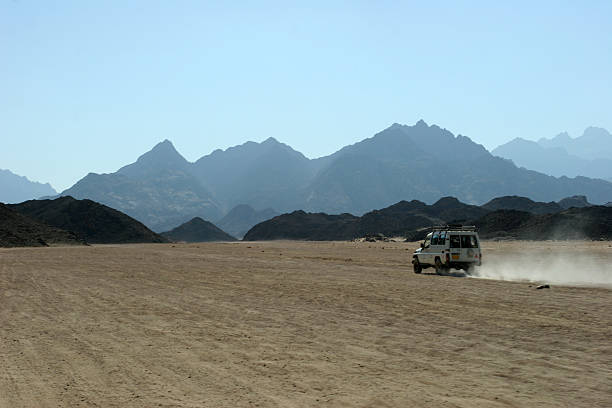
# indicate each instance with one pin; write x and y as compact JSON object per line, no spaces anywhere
{"x":17,"y":230}
{"x":397,"y":220}
{"x":91,"y":221}
{"x":578,"y":201}
{"x":242,"y":218}
{"x":411,"y":219}
{"x":402,"y":218}
{"x":522,"y":204}
{"x":15,"y":189}
{"x":197,"y":230}
{"x":300,"y":225}
{"x":594,"y":222}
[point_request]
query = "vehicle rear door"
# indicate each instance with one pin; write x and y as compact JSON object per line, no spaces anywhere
{"x":469,"y":248}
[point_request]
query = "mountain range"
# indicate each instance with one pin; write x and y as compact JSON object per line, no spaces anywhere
{"x":15,"y":189}
{"x":422,"y":162}
{"x":588,"y":155}
{"x":67,"y":221}
{"x":503,"y":217}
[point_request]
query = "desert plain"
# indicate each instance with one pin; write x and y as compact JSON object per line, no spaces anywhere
{"x":304,"y":324}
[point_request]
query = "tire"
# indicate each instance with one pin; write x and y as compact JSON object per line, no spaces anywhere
{"x":440,"y":269}
{"x":416,"y":265}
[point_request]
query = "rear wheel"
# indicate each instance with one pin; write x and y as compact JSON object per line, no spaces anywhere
{"x":416,"y":265}
{"x":440,"y":268}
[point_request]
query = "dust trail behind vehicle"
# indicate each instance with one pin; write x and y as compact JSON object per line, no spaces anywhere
{"x":574,"y":263}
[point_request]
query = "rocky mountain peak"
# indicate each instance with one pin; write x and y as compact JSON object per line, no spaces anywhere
{"x":163,"y":156}
{"x":270,"y":140}
{"x":421,"y":124}
{"x":596,"y":133}
{"x":163,"y":150}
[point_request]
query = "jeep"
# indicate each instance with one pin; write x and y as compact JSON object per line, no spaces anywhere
{"x":446,"y":247}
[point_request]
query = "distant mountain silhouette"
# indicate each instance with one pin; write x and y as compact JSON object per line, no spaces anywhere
{"x":158,"y":190}
{"x":425,"y":163}
{"x":91,"y":221}
{"x":197,"y":230}
{"x":242,"y":218}
{"x":421,"y":162}
{"x":300,"y":225}
{"x":595,"y":143}
{"x":263,"y":175}
{"x":589,"y":155}
{"x":15,"y":189}
{"x":17,"y":230}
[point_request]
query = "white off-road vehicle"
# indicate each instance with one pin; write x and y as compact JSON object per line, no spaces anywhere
{"x":448,"y":246}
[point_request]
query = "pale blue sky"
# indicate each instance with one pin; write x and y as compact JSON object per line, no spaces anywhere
{"x":90,"y":85}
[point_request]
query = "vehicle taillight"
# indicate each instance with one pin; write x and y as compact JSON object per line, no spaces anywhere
{"x":447,"y":258}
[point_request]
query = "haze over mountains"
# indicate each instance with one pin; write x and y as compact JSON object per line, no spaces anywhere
{"x":242,"y":218}
{"x":420,"y":162}
{"x":588,"y":155}
{"x":15,"y":188}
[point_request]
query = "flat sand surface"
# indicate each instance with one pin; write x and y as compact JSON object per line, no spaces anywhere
{"x":296,"y":324}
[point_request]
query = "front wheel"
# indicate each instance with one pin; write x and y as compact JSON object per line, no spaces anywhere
{"x":416,"y":265}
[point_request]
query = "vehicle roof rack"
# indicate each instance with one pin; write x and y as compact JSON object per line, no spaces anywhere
{"x":454,"y":227}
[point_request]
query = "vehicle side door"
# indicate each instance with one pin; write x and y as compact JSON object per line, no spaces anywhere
{"x":425,"y":256}
{"x":438,"y":242}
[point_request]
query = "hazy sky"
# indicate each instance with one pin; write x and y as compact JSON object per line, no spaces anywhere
{"x":88,"y":86}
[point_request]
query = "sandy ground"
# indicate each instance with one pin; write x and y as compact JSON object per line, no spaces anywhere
{"x":286,"y":324}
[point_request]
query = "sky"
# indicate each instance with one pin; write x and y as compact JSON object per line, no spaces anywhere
{"x":89,"y":86}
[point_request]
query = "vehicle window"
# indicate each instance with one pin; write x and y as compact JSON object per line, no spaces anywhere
{"x":434,"y":238}
{"x":455,"y":241}
{"x":474,"y":241}
{"x":442,"y":237}
{"x":465,"y":241}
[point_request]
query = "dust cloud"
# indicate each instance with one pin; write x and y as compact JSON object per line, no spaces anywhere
{"x":554,"y":267}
